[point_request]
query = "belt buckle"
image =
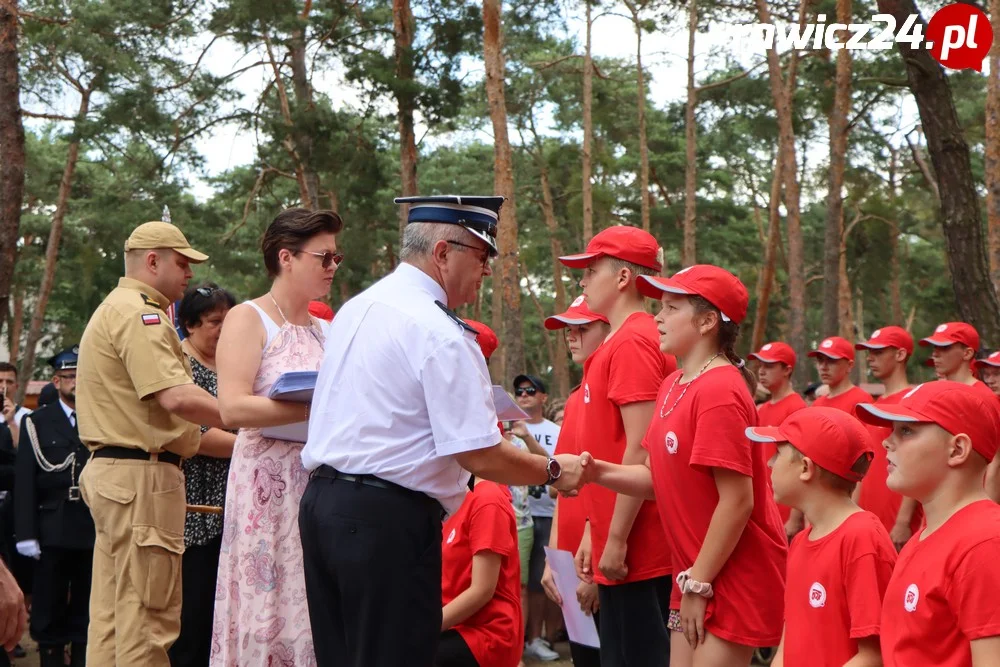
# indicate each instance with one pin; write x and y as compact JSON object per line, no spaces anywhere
{"x":74,"y":493}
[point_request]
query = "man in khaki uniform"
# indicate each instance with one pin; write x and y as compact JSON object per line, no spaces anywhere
{"x":139,"y":413}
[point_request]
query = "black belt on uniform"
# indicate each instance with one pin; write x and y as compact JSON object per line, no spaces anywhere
{"x":326,"y":472}
{"x":139,"y":454}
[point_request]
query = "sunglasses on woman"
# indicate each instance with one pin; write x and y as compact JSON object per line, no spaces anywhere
{"x":521,"y":391}
{"x":328,"y":257}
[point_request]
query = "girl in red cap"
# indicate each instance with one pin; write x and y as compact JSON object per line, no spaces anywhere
{"x":709,"y":483}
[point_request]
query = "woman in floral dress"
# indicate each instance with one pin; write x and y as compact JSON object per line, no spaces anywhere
{"x":261,"y":615}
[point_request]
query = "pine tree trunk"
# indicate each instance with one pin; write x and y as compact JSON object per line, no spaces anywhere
{"x":833,"y":298}
{"x":845,"y":321}
{"x":16,"y":327}
{"x":511,"y":337}
{"x":895,"y":298}
{"x":404,"y":26}
{"x":961,"y":219}
{"x":27,"y":365}
{"x":643,"y":140}
{"x":307,"y":110}
{"x":688,"y":248}
{"x":781,"y":95}
{"x":588,"y":134}
{"x":992,"y":165}
{"x":765,"y":280}
{"x":11,"y":152}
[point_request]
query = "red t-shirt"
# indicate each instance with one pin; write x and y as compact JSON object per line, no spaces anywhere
{"x":985,"y":392}
{"x":572,"y":515}
{"x":485,"y":522}
{"x":707,"y":430}
{"x":845,"y":401}
{"x":627,"y":368}
{"x":772,"y":414}
{"x":833,"y":596}
{"x":874,"y":495}
{"x":943,"y":592}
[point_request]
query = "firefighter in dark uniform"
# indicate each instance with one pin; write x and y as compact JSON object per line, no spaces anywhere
{"x":52,"y":523}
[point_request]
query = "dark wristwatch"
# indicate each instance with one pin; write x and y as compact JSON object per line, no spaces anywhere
{"x":554,"y":470}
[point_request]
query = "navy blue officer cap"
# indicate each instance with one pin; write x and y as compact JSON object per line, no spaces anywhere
{"x":66,"y":360}
{"x":479,"y":215}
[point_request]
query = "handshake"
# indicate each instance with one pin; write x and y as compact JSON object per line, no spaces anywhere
{"x":577,"y":470}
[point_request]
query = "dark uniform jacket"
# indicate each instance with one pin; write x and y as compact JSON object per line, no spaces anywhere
{"x":43,"y":510}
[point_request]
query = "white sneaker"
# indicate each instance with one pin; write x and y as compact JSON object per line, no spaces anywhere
{"x":539,"y":649}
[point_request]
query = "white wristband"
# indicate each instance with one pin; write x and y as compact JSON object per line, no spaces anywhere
{"x":689,"y":585}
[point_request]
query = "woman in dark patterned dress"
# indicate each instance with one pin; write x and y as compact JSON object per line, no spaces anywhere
{"x":201,"y":314}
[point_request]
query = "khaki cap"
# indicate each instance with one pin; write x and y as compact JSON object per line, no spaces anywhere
{"x":153,"y":235}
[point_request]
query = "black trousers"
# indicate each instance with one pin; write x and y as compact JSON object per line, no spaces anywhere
{"x":199,"y":571}
{"x":372,"y":560}
{"x":633,"y":627}
{"x":587,"y":656}
{"x":454,"y":652}
{"x":60,"y":600}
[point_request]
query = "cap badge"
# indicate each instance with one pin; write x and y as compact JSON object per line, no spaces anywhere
{"x":876,"y":333}
{"x":912,"y":391}
{"x":941,"y":329}
{"x":577,"y":302}
{"x":827,"y":344}
{"x":766,"y":348}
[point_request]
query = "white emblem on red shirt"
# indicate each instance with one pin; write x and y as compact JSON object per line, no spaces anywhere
{"x":671,"y":441}
{"x":586,"y":393}
{"x":451,"y":537}
{"x":911,"y":598}
{"x":817,"y":595}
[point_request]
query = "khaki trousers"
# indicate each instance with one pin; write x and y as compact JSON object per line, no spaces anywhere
{"x":135,"y":599}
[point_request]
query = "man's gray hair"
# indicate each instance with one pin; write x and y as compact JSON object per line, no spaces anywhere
{"x":419,"y":238}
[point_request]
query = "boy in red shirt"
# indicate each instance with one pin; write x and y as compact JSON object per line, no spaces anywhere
{"x":834,"y":361}
{"x":623,"y":538}
{"x":954,"y":348}
{"x":989,"y":371}
{"x":585,"y":330}
{"x":840,"y":564}
{"x":941,"y":604}
{"x":777,"y":361}
{"x":889,"y":348}
{"x":710,"y":484}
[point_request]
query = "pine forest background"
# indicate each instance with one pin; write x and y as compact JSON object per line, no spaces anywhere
{"x":847,"y":189}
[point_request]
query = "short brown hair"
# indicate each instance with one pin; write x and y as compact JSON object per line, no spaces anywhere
{"x":7,"y":367}
{"x":834,"y":481}
{"x":637,"y":270}
{"x":292,"y":229}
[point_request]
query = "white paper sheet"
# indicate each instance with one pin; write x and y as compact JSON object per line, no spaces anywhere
{"x":507,"y":409}
{"x":580,"y":627}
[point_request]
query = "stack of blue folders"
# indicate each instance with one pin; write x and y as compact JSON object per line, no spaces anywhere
{"x":297,"y":387}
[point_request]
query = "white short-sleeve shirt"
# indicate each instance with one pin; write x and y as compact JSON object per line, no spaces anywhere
{"x":402,"y":389}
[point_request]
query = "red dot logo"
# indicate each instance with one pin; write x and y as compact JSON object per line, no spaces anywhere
{"x":959,"y":36}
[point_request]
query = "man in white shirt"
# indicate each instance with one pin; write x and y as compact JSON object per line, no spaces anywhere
{"x":401,"y":414}
{"x":10,"y":413}
{"x":531,"y":395}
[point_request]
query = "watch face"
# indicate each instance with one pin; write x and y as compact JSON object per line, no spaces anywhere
{"x":554,"y":469}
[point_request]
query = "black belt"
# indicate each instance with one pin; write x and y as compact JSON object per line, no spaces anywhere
{"x":139,"y":454}
{"x":326,"y":472}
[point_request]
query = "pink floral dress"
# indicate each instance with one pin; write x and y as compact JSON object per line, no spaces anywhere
{"x":261,"y":616}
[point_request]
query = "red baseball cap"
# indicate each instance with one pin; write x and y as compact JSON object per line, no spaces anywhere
{"x":320,"y":310}
{"x":834,"y":347}
{"x":832,"y":438}
{"x":897,"y":337}
{"x":488,"y":341}
{"x":577,"y":313}
{"x":950,"y":333}
{"x":954,"y":406}
{"x":716,"y":285}
{"x":775,"y":352}
{"x":622,"y":242}
{"x":992,"y":360}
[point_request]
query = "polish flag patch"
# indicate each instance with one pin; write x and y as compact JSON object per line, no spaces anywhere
{"x":150,"y":318}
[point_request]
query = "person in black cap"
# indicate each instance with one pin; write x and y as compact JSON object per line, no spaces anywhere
{"x":52,"y":523}
{"x":401,"y":414}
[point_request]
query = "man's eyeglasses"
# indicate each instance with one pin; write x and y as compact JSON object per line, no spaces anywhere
{"x":328,"y":257}
{"x":486,"y":251}
{"x":521,"y":391}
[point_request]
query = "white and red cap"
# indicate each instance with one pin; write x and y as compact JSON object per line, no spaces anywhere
{"x":992,"y":360}
{"x":716,"y":285}
{"x":832,"y":438}
{"x":776,"y":352}
{"x":578,"y":313}
{"x":954,"y":406}
{"x":891,"y":336}
{"x":834,"y":347}
{"x":630,"y":244}
{"x":950,"y":333}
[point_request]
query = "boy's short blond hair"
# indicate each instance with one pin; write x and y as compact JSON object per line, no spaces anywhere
{"x":834,"y":481}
